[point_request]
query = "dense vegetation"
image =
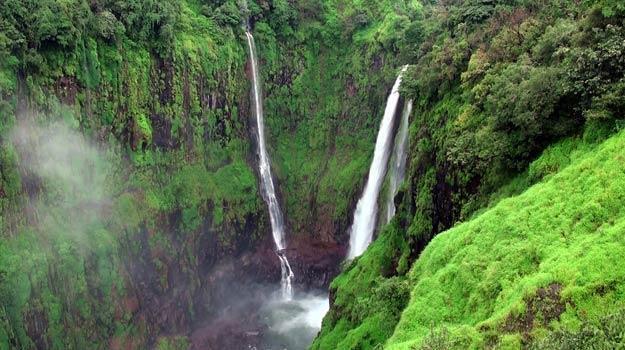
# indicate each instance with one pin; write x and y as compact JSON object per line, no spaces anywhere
{"x":157,"y":89}
{"x":155,"y":93}
{"x":494,"y":83}
{"x":546,"y":260}
{"x":326,"y":85}
{"x":127,"y":166}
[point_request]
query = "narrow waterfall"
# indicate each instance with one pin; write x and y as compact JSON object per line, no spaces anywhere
{"x":269,"y":192}
{"x":397,"y":169}
{"x":366,"y":210}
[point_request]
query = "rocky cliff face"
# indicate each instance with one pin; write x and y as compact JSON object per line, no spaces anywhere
{"x":181,"y":222}
{"x":160,"y":98}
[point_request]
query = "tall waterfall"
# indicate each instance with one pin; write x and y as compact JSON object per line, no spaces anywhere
{"x":366,"y":210}
{"x":397,"y":168}
{"x":269,"y":192}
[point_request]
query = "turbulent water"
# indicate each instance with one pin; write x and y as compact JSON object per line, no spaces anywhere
{"x":269,"y":192}
{"x":293,"y":324}
{"x":397,"y":169}
{"x":366,"y":210}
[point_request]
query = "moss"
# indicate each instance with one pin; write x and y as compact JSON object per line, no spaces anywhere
{"x":145,"y":103}
{"x":497,"y":270}
{"x":173,"y":343}
{"x":145,"y":128}
{"x":367,"y":319}
{"x":162,"y":88}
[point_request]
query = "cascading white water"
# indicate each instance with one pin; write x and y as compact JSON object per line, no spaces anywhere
{"x":366,"y":210}
{"x":287,"y":276}
{"x":397,"y":168}
{"x":293,"y":324}
{"x":269,"y":192}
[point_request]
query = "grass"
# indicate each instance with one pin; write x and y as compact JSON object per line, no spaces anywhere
{"x":479,"y":283}
{"x":364,"y":320}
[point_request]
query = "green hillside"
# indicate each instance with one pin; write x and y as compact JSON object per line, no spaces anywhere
{"x":131,"y":211}
{"x":495,"y":84}
{"x":535,"y":267}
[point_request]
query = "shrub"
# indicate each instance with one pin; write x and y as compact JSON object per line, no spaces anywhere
{"x":606,"y":333}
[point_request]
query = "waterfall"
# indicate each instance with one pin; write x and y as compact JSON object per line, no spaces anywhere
{"x":398,"y":164}
{"x":269,"y":192}
{"x":366,"y":210}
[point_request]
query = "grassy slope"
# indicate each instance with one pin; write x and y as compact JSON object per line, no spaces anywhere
{"x":359,"y":319}
{"x":478,"y":123}
{"x":481,"y":279}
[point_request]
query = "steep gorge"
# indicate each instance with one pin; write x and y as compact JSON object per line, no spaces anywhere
{"x":183,"y":219}
{"x":148,"y":229}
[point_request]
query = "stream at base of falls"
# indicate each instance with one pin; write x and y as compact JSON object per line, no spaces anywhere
{"x":257,"y":317}
{"x":291,"y":321}
{"x":291,"y":324}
